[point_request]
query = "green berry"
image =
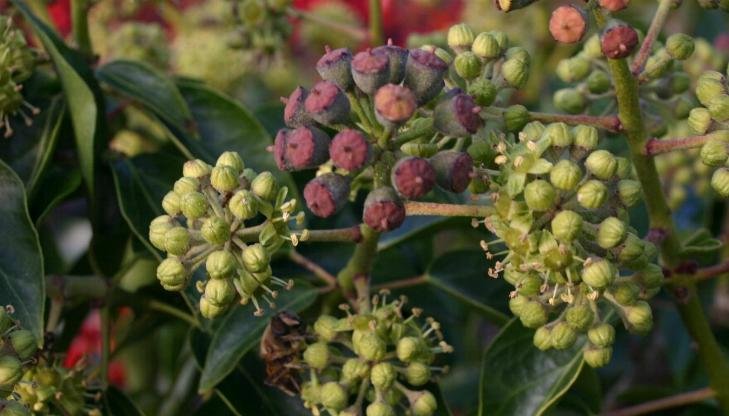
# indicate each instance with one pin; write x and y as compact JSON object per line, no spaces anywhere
{"x":516,"y":71}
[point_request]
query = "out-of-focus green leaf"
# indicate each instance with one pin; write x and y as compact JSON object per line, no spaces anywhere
{"x":58,"y":183}
{"x":118,"y":404}
{"x":22,"y":281}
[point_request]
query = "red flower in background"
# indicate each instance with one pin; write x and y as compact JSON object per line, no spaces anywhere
{"x":60,"y":11}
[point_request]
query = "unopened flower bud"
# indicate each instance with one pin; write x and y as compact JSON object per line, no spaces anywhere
{"x":413,"y":177}
{"x":711,"y":84}
{"x":194,"y":205}
{"x":327,"y":104}
{"x":215,"y":230}
{"x":171,"y":203}
{"x":629,"y":192}
{"x":720,"y":182}
{"x":625,"y":292}
{"x":333,"y":396}
{"x":10,"y":372}
{"x":486,"y":46}
{"x":639,"y":318}
{"x":424,"y":73}
{"x":579,"y":317}
{"x":680,"y":46}
{"x":592,"y":194}
{"x":719,"y":108}
{"x":651,"y":276}
{"x":326,"y":194}
{"x":592,"y":48}
{"x":457,"y":115}
{"x":570,"y":100}
{"x":186,"y":185}
{"x":379,"y":408}
{"x":177,"y":241}
{"x":460,"y":37}
{"x":563,"y":336}
{"x":566,"y":225}
{"x":483,"y":91}
{"x":598,"y":82}
{"x":157,"y":229}
{"x":515,"y":117}
{"x":397,"y":57}
{"x":542,"y":338}
{"x":714,"y":152}
{"x":453,"y":170}
{"x":317,"y":355}
{"x":567,"y":24}
{"x":219,"y":292}
{"x":305,"y":147}
{"x":195,"y":169}
{"x":265,"y":186}
{"x":243,"y":205}
{"x":539,"y":195}
{"x":383,"y":210}
{"x":354,"y":369}
{"x":224,"y":178}
{"x":220,"y":264}
{"x":335,"y":66}
{"x":516,"y":304}
{"x":370,"y":71}
{"x":516,"y":71}
{"x":619,"y":41}
{"x":409,"y":348}
{"x":573,"y":69}
{"x":611,"y":232}
{"x":172,"y":274}
{"x":602,"y":164}
{"x":368,"y":345}
{"x":326,"y":327}
{"x":23,"y":343}
{"x":394,"y":104}
{"x":631,"y":251}
{"x":231,"y":159}
{"x":532,"y":314}
{"x":383,"y":376}
{"x":255,"y":258}
{"x":614,"y":5}
{"x":559,"y":134}
{"x":294,"y":112}
{"x":602,"y":335}
{"x":585,"y":137}
{"x":467,"y":65}
{"x":597,"y":357}
{"x":481,"y":151}
{"x":599,"y":273}
{"x":565,"y":175}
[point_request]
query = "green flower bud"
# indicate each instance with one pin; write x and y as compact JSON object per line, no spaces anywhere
{"x":243,"y":204}
{"x":638,"y":318}
{"x":326,"y":327}
{"x":383,"y":375}
{"x":10,"y":372}
{"x":501,"y":38}
{"x":224,"y":178}
{"x":409,"y":348}
{"x":177,"y":241}
{"x":231,"y":159}
{"x":255,"y":258}
{"x":680,"y":82}
{"x":719,"y":108}
{"x":533,"y":130}
{"x":570,"y":100}
{"x":515,"y":72}
{"x":625,"y":168}
{"x":354,"y":370}
{"x":333,"y":396}
{"x":171,"y":203}
{"x":417,"y":374}
{"x":516,"y":117}
{"x":592,"y":194}
{"x":185,"y":185}
{"x":611,"y":232}
{"x":597,"y":357}
{"x":483,"y":91}
{"x":467,"y":65}
{"x":573,"y":69}
{"x":680,"y":46}
{"x":23,"y":343}
{"x":710,"y":85}
{"x":629,"y":192}
{"x":651,"y":276}
{"x":379,"y":409}
{"x":194,"y":205}
{"x":720,"y":182}
{"x":598,"y":82}
{"x":699,"y":120}
{"x":591,"y":48}
{"x":368,"y":345}
{"x":566,"y":225}
{"x":517,"y":303}
{"x":631,"y":251}
{"x":602,"y":164}
{"x":215,"y":230}
{"x":533,"y":314}
{"x":172,"y":274}
{"x":486,"y":46}
{"x":625,"y":293}
{"x":219,"y":292}
{"x":565,"y":175}
{"x":157,"y":230}
{"x":317,"y":355}
{"x":586,"y":137}
{"x":310,"y":392}
{"x":657,"y":65}
{"x":529,"y":285}
{"x":265,"y":186}
{"x":602,"y":335}
{"x":460,"y":37}
{"x":539,"y":195}
{"x":563,"y":336}
{"x":714,"y":152}
{"x":559,"y":134}
{"x":599,"y":273}
{"x":543,"y":338}
{"x":220,"y":264}
{"x":423,"y":403}
{"x":196,"y":169}
{"x":579,"y":317}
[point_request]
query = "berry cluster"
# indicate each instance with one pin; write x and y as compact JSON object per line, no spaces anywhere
{"x":560,"y":208}
{"x":17,"y":62}
{"x":17,"y":347}
{"x":210,"y":217}
{"x":377,"y":361}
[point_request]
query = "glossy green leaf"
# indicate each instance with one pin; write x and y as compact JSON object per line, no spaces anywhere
{"x":58,"y":183}
{"x":518,"y":379}
{"x":240,"y":331}
{"x":22,"y":281}
{"x":463,"y":275}
{"x":118,"y":404}
{"x":81,"y":92}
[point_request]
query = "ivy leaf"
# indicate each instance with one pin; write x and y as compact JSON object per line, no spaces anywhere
{"x":22,"y":281}
{"x":240,"y":331}
{"x":700,"y":242}
{"x":518,"y":379}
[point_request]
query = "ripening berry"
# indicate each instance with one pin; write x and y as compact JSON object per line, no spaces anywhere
{"x":602,"y":335}
{"x":720,"y":182}
{"x":680,"y":46}
{"x":424,"y":73}
{"x":611,"y":232}
{"x":177,"y":241}
{"x":350,"y":150}
{"x":567,"y":24}
{"x":370,"y":71}
{"x":215,"y":230}
{"x":335,"y":66}
{"x":220,"y":264}
{"x":394,"y":104}
{"x":592,"y":194}
{"x":597,"y":357}
{"x":614,"y":5}
{"x":457,"y":115}
{"x":599,"y":273}
{"x":397,"y":57}
{"x":413,"y":177}
{"x":172,"y":274}
{"x":542,"y":338}
{"x":294,"y":112}
{"x":539,"y":195}
{"x":566,"y":225}
{"x":383,"y":210}
{"x":327,"y":104}
{"x":326,"y":194}
{"x":532,"y":314}
{"x":619,"y":41}
{"x":453,"y":170}
{"x":460,"y":37}
{"x":486,"y":46}
{"x":305,"y":147}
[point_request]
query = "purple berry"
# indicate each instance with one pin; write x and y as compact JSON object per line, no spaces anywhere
{"x":398,"y":57}
{"x":326,"y":194}
{"x":370,"y":71}
{"x":383,"y":210}
{"x":394,"y":104}
{"x":335,"y":66}
{"x":424,"y":73}
{"x":413,"y":177}
{"x":294,"y":113}
{"x":457,"y":115}
{"x":350,"y":150}
{"x":453,"y":170}
{"x":327,"y":104}
{"x":301,"y":148}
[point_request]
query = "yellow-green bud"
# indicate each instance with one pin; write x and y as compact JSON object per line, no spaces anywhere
{"x":231,"y":159}
{"x":195,"y":169}
{"x":172,"y":274}
{"x":383,"y":375}
{"x":317,"y":355}
{"x":559,"y":134}
{"x":639,"y":318}
{"x":566,"y":225}
{"x":529,"y":285}
{"x":326,"y":327}
{"x":651,"y":276}
{"x":586,"y":137}
{"x":699,"y":120}
{"x":573,"y":69}
{"x":408,"y":348}
{"x":224,"y":178}
{"x":460,"y":37}
{"x":515,"y":71}
{"x":186,"y":185}
{"x":23,"y":343}
{"x":629,"y":192}
{"x":243,"y":204}
{"x":599,"y":273}
{"x":379,"y":408}
{"x":602,"y":164}
{"x":563,"y":336}
{"x":171,"y":203}
{"x":486,"y":46}
{"x":714,"y":152}
{"x":719,"y":108}
{"x":265,"y":186}
{"x":579,"y":317}
{"x":539,"y":195}
{"x":516,"y":117}
{"x":569,"y":100}
{"x":592,"y":194}
{"x":533,"y":314}
{"x":533,"y":130}
{"x":483,"y":92}
{"x":10,"y":372}
{"x":215,"y":230}
{"x":423,"y":403}
{"x":157,"y":230}
{"x":624,"y":168}
{"x":611,"y":232}
{"x":467,"y":65}
{"x":602,"y":335}
{"x":625,"y":292}
{"x":598,"y":82}
{"x":501,"y":38}
{"x":310,"y":392}
{"x":177,"y":241}
{"x":209,"y":310}
{"x":543,"y":338}
{"x":680,"y":46}
{"x":368,"y":345}
{"x":353,"y":370}
{"x":710,"y":85}
{"x":220,"y":264}
{"x":255,"y":258}
{"x":219,"y":292}
{"x":657,"y":65}
{"x":333,"y":396}
{"x":597,"y":357}
{"x":720,"y":182}
{"x":565,"y":175}
{"x":516,"y":304}
{"x":632,"y":250}
{"x":417,"y":373}
{"x":194,"y":205}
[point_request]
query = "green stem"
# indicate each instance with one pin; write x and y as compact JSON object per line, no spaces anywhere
{"x":659,"y":19}
{"x":80,"y":28}
{"x":360,"y":264}
{"x":375,"y":21}
{"x":172,"y":311}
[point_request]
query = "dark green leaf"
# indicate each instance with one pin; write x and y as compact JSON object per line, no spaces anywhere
{"x":57,"y":184}
{"x":118,"y":404}
{"x":700,"y":242}
{"x":240,"y":331}
{"x":518,"y":379}
{"x":22,"y":282}
{"x":463,"y":274}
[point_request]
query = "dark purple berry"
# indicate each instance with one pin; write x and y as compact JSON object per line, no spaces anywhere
{"x":398,"y":58}
{"x":350,"y":150}
{"x":326,"y":194}
{"x":619,"y":41}
{"x":336,"y":66}
{"x":383,"y":210}
{"x":457,"y":115}
{"x":413,"y":177}
{"x":301,"y":148}
{"x":294,"y":113}
{"x":453,"y":170}
{"x":327,"y":104}
{"x":370,"y":71}
{"x":394,"y":104}
{"x":424,"y":73}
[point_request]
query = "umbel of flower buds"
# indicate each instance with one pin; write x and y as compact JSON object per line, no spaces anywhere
{"x":16,"y":65}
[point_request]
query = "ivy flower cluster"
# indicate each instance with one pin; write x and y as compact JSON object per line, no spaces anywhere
{"x":260,"y":26}
{"x":18,"y":346}
{"x":231,"y":220}
{"x":17,"y":62}
{"x":377,"y":360}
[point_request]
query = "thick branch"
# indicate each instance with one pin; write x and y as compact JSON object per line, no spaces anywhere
{"x":335,"y":235}
{"x":707,"y":273}
{"x":360,"y":264}
{"x":446,"y":210}
{"x":609,"y":123}
{"x":678,"y":400}
{"x":656,"y":146}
